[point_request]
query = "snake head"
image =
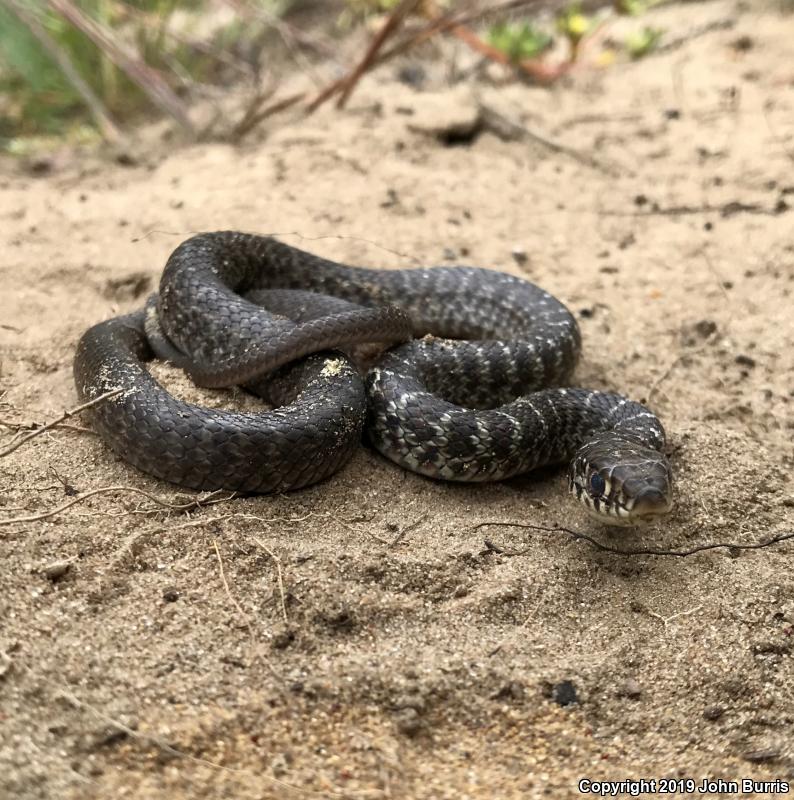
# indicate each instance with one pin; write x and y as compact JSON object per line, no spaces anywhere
{"x":620,"y":480}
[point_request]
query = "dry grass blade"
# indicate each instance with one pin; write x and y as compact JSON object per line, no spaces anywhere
{"x":148,"y":79}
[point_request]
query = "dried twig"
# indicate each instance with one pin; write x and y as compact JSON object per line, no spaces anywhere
{"x":666,"y":620}
{"x":255,"y":114}
{"x":348,"y":83}
{"x":393,"y":23}
{"x":443,"y":23}
{"x":406,"y":530}
{"x":66,"y":414}
{"x":650,"y":551}
{"x":447,"y":22}
{"x":507,"y":128}
{"x":211,"y":499}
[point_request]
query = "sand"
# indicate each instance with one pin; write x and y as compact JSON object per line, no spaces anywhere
{"x":358,"y":638}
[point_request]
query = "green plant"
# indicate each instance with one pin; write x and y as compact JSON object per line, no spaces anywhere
{"x":643,"y":42}
{"x":574,"y":25}
{"x":519,"y":41}
{"x":63,"y":60}
{"x":35,"y":88}
{"x":631,"y":8}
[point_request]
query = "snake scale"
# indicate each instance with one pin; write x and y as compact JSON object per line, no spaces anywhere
{"x":472,"y":387}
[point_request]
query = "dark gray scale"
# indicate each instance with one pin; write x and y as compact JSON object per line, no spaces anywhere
{"x":240,"y":309}
{"x":205,"y":449}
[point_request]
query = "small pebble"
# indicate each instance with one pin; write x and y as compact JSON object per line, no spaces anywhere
{"x":705,"y":327}
{"x":630,"y":689}
{"x":713,"y":713}
{"x":281,"y":763}
{"x":761,"y":756}
{"x":412,"y":75}
{"x":55,"y":571}
{"x":564,"y":693}
{"x":392,"y":199}
{"x":283,"y":639}
{"x":513,"y":691}
{"x":41,"y":166}
{"x":126,"y":159}
{"x":408,"y":722}
{"x":627,"y":241}
{"x":519,"y":256}
{"x":338,"y":619}
{"x":5,"y":664}
{"x":743,"y":43}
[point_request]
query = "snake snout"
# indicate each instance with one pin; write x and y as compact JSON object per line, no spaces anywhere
{"x":647,"y":487}
{"x":650,"y":502}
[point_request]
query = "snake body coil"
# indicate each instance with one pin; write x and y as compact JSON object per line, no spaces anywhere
{"x":233,"y":308}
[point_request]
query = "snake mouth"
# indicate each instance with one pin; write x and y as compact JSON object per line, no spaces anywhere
{"x":647,"y":506}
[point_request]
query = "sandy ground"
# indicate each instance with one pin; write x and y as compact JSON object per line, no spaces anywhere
{"x":358,"y":639}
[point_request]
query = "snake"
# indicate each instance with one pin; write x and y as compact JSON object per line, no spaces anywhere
{"x":456,"y":373}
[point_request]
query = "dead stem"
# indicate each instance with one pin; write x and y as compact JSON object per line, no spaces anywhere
{"x":18,"y":442}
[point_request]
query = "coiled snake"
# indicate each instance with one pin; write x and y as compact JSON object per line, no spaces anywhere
{"x":463,"y":396}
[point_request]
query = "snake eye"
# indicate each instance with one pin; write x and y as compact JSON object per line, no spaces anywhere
{"x":597,"y":485}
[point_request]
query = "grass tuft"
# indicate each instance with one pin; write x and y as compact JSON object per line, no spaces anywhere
{"x":66,"y":65}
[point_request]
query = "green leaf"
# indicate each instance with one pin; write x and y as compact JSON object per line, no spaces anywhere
{"x":643,"y":42}
{"x":519,"y":41}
